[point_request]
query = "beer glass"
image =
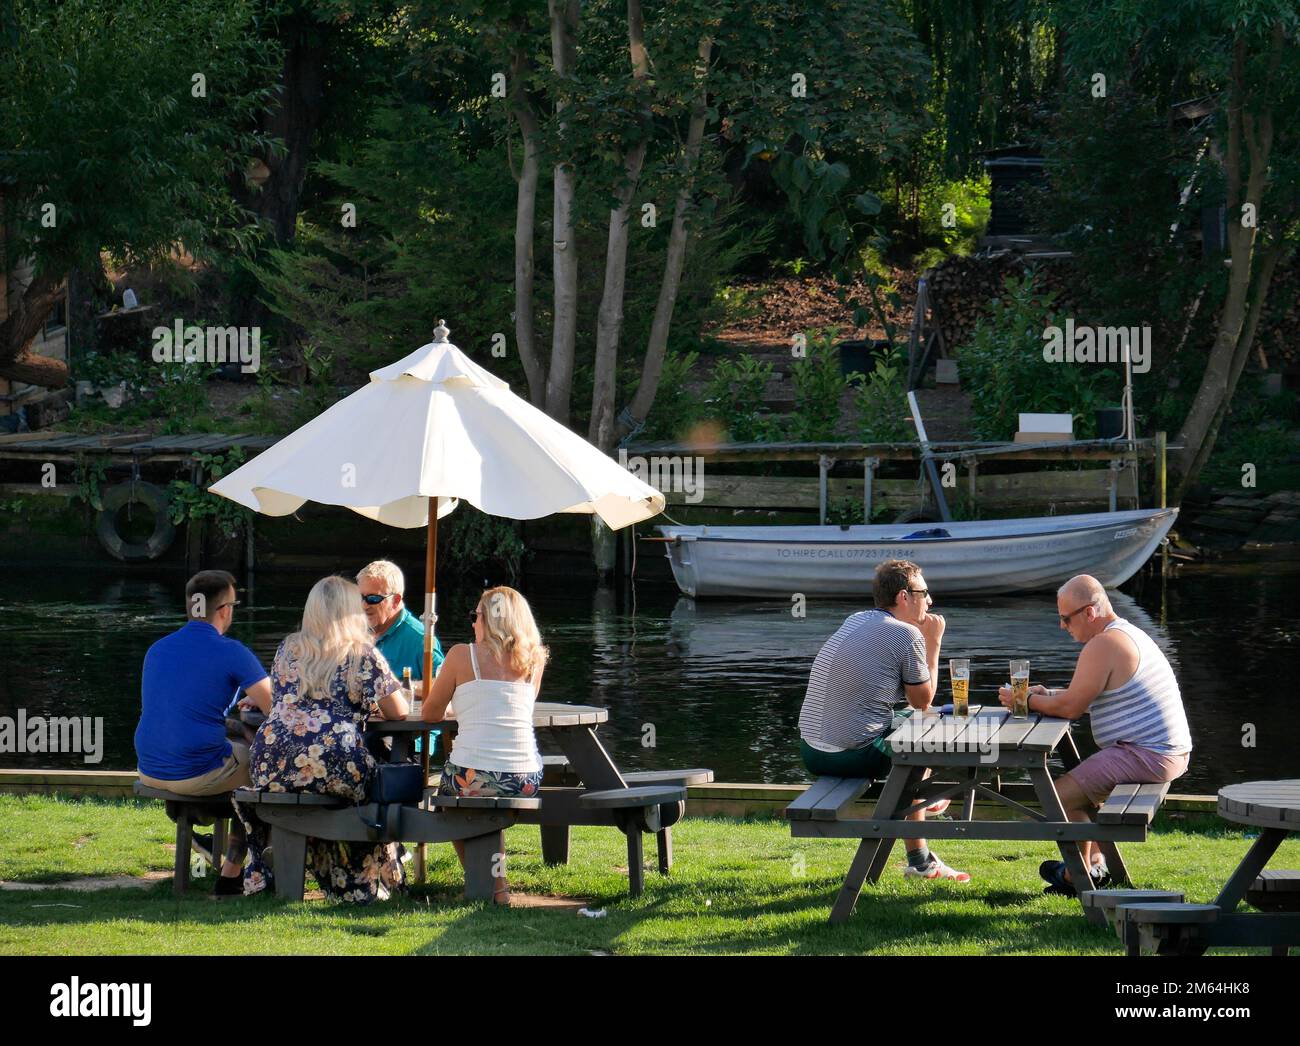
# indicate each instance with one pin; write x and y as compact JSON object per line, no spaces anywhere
{"x":959,"y":673}
{"x":1020,"y":689}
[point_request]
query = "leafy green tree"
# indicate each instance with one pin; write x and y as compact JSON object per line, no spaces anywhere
{"x":1243,"y":56}
{"x":121,"y":124}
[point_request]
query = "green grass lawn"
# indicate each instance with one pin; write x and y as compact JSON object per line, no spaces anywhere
{"x":736,"y":887}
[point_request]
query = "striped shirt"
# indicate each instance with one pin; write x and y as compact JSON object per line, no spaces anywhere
{"x":1147,"y":711}
{"x":858,"y":677}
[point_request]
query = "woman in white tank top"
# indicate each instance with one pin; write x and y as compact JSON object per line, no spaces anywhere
{"x":489,"y":687}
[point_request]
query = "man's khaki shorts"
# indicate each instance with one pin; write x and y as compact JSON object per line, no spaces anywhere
{"x":233,"y":773}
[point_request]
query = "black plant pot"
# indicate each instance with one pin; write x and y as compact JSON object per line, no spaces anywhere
{"x":860,"y":355}
{"x":1110,"y":422}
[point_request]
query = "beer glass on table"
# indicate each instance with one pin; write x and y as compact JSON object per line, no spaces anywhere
{"x":959,"y":673}
{"x":1020,"y":689}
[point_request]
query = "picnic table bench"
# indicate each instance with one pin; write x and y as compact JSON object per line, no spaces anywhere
{"x":296,"y":816}
{"x":581,"y":786}
{"x":187,"y":811}
{"x":985,"y":743}
{"x":1189,"y":929}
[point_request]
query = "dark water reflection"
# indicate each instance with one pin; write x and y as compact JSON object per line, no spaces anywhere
{"x":715,"y":685}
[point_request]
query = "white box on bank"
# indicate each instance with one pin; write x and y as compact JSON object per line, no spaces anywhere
{"x":1045,"y":428}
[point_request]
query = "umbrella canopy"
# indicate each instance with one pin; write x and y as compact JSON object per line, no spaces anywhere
{"x":436,"y":424}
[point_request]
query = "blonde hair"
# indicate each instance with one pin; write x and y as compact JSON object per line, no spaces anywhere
{"x":387,"y":572}
{"x":333,"y":633}
{"x":509,"y":630}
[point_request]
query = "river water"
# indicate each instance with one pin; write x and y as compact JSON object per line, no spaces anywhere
{"x":689,"y":684}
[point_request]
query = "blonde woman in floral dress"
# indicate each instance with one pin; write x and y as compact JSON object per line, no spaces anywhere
{"x":327,"y":681}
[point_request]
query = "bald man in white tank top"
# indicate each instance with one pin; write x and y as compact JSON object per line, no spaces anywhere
{"x":1127,"y":685}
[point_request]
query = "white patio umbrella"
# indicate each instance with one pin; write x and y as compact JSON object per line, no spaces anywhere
{"x":437,"y":425}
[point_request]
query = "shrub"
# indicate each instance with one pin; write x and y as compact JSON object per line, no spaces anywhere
{"x":677,"y":407}
{"x":881,"y":400}
{"x":1004,"y":371}
{"x":817,"y":387}
{"x":735,"y":398}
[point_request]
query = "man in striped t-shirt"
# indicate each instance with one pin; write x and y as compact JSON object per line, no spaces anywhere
{"x":1127,"y":685}
{"x":876,"y":659}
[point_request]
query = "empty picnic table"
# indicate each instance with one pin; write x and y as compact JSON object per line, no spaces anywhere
{"x":986,"y":743}
{"x":1188,"y":929}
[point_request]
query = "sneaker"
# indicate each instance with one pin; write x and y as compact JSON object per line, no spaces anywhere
{"x":202,"y":844}
{"x":1053,"y":873}
{"x":229,"y":885}
{"x":936,"y":869}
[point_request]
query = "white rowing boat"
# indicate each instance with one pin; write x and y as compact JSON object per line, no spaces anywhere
{"x":977,"y":557}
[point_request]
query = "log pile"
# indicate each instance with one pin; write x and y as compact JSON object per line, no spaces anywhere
{"x":962,"y":287}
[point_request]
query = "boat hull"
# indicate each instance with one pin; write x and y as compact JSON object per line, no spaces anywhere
{"x":983,"y":557}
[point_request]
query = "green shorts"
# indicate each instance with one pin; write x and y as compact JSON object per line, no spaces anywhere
{"x":872,"y":760}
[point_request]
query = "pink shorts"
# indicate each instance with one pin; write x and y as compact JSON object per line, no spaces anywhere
{"x":1124,"y":763}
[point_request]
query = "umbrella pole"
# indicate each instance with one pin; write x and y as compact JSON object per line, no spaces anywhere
{"x":430,"y":616}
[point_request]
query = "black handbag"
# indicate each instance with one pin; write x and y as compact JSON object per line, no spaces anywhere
{"x":397,"y":783}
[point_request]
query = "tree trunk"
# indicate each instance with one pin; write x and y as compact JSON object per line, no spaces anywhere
{"x":564,"y":250}
{"x":648,"y":386}
{"x":1242,"y":353}
{"x":294,"y":120}
{"x":525,"y":223}
{"x":609,"y":320}
{"x":20,"y":326}
{"x":1200,"y":427}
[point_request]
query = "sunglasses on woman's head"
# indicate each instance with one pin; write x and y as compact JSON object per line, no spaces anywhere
{"x":473,"y":617}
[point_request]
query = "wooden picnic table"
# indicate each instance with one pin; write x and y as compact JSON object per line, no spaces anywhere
{"x":601,"y":795}
{"x":978,"y":747}
{"x":1189,"y":929}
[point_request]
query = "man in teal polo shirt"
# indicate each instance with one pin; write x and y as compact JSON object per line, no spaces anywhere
{"x":399,"y":634}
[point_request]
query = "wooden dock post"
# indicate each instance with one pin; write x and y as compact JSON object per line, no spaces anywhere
{"x":823,"y":467}
{"x":1161,"y":444}
{"x":869,"y":466}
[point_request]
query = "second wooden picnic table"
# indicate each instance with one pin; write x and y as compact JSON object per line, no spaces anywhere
{"x":977,"y":747}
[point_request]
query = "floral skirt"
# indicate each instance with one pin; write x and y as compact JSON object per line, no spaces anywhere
{"x":459,"y":780}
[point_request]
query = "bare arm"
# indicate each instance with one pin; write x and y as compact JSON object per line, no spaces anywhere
{"x":1100,"y":657}
{"x":454,"y":668}
{"x":394,"y":706}
{"x":258,"y":696}
{"x":921,"y":695}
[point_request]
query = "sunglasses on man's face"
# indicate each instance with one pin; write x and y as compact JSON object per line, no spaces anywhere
{"x":376,"y":598}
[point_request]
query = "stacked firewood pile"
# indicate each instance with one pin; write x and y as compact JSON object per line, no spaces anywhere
{"x":962,"y":287}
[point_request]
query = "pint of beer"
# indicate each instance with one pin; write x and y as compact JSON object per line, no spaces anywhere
{"x":1020,"y":689}
{"x":959,"y":673}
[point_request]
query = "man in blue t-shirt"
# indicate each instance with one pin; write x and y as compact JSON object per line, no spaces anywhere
{"x":189,"y":680}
